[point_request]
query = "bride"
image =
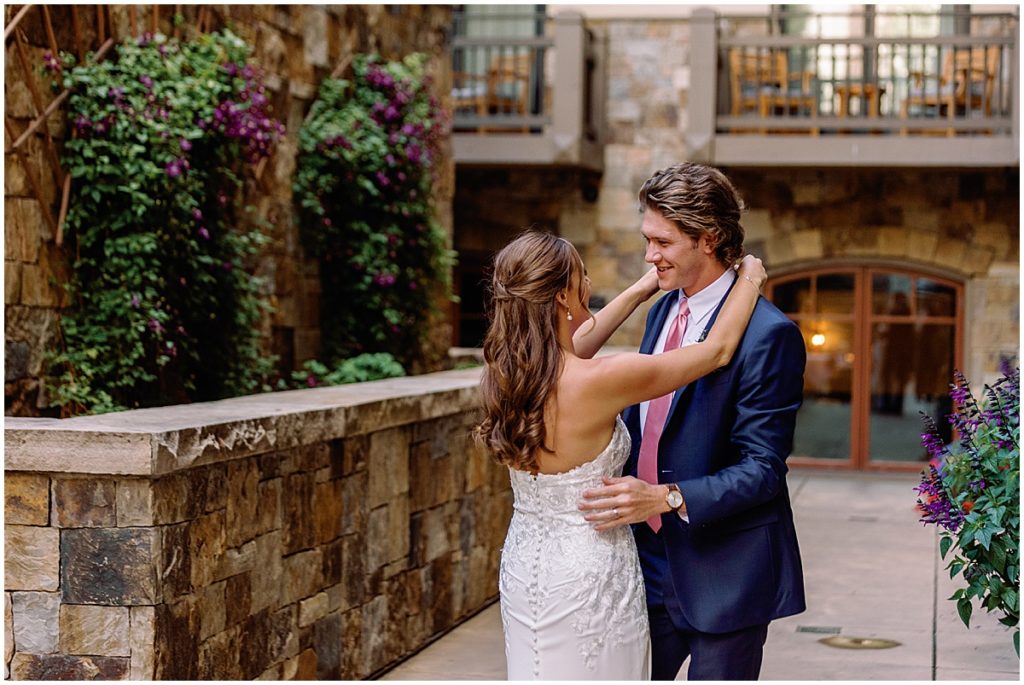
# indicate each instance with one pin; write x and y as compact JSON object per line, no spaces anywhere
{"x":572,"y":597}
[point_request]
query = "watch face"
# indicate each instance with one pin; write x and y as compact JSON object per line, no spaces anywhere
{"x":675,"y":499}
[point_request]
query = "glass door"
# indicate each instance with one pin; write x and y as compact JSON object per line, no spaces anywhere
{"x":881,"y":347}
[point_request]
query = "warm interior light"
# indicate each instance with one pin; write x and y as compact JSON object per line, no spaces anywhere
{"x":818,"y":339}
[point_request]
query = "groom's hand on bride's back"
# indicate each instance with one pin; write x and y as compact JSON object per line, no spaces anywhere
{"x":621,"y":501}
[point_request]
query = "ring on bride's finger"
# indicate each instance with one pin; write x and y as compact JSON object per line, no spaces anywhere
{"x":615,"y":513}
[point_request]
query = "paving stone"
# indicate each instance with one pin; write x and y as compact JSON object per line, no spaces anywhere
{"x":95,"y":630}
{"x":26,"y":499}
{"x":84,"y":503}
{"x":36,"y":617}
{"x":109,"y":566}
{"x":31,"y":558}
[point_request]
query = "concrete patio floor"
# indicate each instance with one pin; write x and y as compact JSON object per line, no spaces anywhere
{"x":871,"y":571}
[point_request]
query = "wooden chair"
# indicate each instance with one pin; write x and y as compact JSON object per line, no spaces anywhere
{"x":966,"y":83}
{"x":508,"y":85}
{"x":469,"y":93}
{"x":763,"y":83}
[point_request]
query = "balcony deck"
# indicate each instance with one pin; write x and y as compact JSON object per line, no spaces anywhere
{"x":941,"y":99}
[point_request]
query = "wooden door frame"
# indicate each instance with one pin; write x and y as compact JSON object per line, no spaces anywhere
{"x":863,"y":319}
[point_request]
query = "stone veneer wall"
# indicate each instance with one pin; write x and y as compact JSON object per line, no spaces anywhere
{"x":961,"y":223}
{"x":296,"y":46}
{"x":321,"y":533}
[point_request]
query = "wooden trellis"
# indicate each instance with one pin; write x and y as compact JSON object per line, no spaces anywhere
{"x":105,"y":38}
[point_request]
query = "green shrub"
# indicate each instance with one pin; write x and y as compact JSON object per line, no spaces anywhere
{"x":363,"y":184}
{"x":164,"y":308}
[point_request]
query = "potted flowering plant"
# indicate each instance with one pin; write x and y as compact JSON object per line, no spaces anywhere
{"x":971,"y":491}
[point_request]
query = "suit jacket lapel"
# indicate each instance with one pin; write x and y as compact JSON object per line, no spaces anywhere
{"x":631,"y":415}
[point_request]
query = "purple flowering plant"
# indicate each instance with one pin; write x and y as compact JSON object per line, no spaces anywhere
{"x":365,"y":172}
{"x":971,"y":491}
{"x":165,"y":309}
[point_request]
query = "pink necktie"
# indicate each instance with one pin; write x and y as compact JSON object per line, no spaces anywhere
{"x":657,"y":412}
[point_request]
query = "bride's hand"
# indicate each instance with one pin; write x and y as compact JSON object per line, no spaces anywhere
{"x":750,"y":268}
{"x":647,"y":285}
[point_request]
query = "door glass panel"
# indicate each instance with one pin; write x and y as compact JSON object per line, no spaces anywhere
{"x":823,"y":422}
{"x":793,"y":297}
{"x":910,"y":373}
{"x":935,"y":299}
{"x":835,"y":294}
{"x":890,"y":294}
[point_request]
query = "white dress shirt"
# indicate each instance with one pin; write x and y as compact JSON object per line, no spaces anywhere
{"x":702,"y":304}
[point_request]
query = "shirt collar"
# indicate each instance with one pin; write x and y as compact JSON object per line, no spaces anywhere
{"x":705,"y":301}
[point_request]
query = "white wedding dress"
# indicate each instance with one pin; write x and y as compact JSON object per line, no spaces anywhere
{"x":572,"y":598}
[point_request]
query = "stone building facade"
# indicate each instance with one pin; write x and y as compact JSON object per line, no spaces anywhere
{"x":296,"y":46}
{"x":962,"y":224}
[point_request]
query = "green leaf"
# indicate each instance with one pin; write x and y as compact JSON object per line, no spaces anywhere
{"x":944,"y":544}
{"x":964,"y":608}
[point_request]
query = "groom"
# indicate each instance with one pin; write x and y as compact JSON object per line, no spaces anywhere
{"x":708,"y":466}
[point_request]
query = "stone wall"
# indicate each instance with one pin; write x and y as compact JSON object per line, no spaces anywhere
{"x":314,"y":534}
{"x":297,"y":46}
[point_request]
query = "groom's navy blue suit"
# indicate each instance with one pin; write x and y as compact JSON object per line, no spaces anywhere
{"x":735,"y":565}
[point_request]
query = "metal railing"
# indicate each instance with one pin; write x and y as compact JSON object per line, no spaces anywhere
{"x":888,"y":81}
{"x":535,"y":98}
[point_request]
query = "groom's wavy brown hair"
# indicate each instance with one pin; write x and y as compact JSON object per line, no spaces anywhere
{"x":702,"y":202}
{"x":521,"y":352}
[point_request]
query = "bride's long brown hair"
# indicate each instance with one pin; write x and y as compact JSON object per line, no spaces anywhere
{"x":521,"y":351}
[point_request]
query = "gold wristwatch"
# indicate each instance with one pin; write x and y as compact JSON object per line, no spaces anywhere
{"x":674,"y":498}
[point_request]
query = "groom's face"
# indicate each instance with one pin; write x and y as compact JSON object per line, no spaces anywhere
{"x":679,"y":259}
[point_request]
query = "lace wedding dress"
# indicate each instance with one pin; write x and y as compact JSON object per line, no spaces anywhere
{"x":572,"y":598}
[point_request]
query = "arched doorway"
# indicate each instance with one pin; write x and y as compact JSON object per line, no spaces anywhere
{"x":882,"y":343}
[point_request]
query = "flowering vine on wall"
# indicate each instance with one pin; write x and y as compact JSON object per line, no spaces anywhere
{"x":363,"y":184}
{"x":163,"y":307}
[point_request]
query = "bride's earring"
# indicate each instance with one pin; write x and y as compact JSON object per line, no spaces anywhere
{"x":568,"y":314}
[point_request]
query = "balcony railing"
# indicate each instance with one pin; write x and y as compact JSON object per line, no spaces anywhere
{"x":531,"y":99}
{"x":889,"y":98}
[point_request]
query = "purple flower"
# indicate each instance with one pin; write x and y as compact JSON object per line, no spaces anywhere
{"x":197,"y":215}
{"x":173,"y":168}
{"x":146,"y":81}
{"x":203,"y":233}
{"x":311,"y":380}
{"x":185,"y":144}
{"x":136,"y":301}
{"x":382,"y":179}
{"x":384,"y":280}
{"x":50,"y":62}
{"x":154,"y":326}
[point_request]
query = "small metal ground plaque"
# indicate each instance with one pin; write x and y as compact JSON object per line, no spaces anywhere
{"x":850,"y":642}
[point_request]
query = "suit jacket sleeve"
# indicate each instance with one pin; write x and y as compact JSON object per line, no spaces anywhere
{"x":769,"y":392}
